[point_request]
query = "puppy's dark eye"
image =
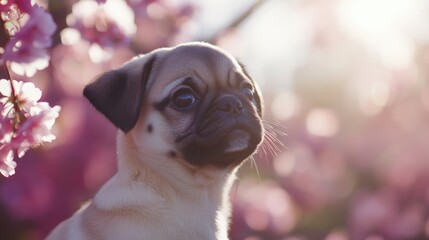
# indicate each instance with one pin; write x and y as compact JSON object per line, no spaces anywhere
{"x":248,"y":91}
{"x":183,"y":98}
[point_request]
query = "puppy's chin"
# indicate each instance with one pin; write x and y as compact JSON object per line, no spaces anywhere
{"x":238,"y":140}
{"x":224,"y":148}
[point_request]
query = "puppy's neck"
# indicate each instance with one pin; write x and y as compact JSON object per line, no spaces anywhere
{"x":154,"y":182}
{"x":139,"y":163}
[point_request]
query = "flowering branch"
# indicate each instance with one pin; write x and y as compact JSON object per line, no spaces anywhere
{"x":24,"y":122}
{"x":12,"y":96}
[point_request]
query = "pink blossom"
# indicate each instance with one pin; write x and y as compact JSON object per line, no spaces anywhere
{"x":26,"y":94}
{"x":108,"y":36}
{"x":6,"y":131}
{"x":13,"y":19}
{"x":107,"y":25}
{"x":29,"y":69}
{"x":30,"y":43}
{"x":6,"y":127}
{"x":34,"y":127}
{"x":140,"y":6}
{"x":37,"y":127}
{"x":170,"y":11}
{"x":23,"y":5}
{"x":7,"y":165}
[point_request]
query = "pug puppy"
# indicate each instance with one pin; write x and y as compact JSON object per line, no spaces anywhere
{"x":188,"y":117}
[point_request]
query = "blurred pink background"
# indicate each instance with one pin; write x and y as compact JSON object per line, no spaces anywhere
{"x":346,"y":107}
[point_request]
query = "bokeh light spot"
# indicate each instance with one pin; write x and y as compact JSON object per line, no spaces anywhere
{"x":336,"y":235}
{"x":98,"y":54}
{"x":284,"y":164}
{"x":256,"y":219}
{"x":70,"y":36}
{"x":285,"y":105}
{"x":322,"y":122}
{"x":380,"y":93}
{"x":155,"y":11}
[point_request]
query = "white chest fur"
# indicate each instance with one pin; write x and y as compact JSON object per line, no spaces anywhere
{"x":144,"y":205}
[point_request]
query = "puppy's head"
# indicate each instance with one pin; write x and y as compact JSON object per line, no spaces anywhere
{"x":192,"y":103}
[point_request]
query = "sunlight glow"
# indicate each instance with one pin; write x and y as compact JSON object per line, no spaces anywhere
{"x":381,"y":25}
{"x":280,"y":35}
{"x":322,"y":122}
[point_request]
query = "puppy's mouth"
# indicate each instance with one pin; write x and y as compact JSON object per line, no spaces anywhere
{"x":223,"y":144}
{"x":237,"y":140}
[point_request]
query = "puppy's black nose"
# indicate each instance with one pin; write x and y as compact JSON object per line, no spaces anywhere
{"x":230,"y":104}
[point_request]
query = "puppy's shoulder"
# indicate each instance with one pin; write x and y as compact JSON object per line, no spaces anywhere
{"x":125,"y":194}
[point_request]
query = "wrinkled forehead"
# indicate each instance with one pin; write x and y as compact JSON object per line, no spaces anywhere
{"x":211,"y":67}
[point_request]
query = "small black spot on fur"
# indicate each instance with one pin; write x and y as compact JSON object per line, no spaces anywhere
{"x":149,"y":128}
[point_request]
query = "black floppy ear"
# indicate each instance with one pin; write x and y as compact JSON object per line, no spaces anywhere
{"x":119,"y":94}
